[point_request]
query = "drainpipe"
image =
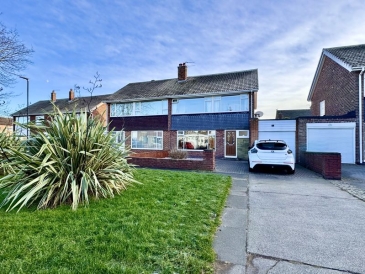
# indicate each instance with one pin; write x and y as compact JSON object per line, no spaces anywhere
{"x":360,"y":115}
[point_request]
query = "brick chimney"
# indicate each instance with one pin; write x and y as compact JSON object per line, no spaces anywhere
{"x":71,"y":95}
{"x":53,"y":96}
{"x":182,"y":72}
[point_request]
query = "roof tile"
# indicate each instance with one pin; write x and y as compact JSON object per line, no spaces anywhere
{"x":196,"y":85}
{"x":351,"y":55}
{"x":65,"y":105}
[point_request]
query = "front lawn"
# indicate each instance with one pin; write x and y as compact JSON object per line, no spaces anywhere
{"x":165,"y":225}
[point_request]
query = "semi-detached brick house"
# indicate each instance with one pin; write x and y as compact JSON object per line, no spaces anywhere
{"x":338,"y":91}
{"x":187,"y":113}
{"x":41,"y":109}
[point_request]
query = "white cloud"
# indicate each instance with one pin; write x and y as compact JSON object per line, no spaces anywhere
{"x":128,"y":41}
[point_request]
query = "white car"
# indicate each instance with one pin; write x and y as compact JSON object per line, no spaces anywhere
{"x":271,"y":153}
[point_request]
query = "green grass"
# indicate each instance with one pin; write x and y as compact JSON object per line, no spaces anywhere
{"x":165,"y":225}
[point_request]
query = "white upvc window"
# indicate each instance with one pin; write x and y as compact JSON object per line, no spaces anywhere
{"x":120,"y":138}
{"x":212,"y":104}
{"x":322,"y":108}
{"x":146,"y":108}
{"x":20,"y":131}
{"x":39,"y":119}
{"x":147,"y":140}
{"x":196,"y":139}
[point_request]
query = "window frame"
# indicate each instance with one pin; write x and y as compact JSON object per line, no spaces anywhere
{"x":213,"y":104}
{"x":158,"y":135}
{"x":119,"y":138}
{"x":322,"y":108}
{"x":18,"y":130}
{"x":136,"y":108}
{"x":182,"y":134}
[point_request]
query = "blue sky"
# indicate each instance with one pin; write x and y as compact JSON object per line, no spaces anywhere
{"x":140,"y":40}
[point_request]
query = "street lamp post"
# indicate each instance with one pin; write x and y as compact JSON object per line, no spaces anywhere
{"x":25,"y":78}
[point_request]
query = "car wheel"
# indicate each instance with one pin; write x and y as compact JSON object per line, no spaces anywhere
{"x":291,"y":171}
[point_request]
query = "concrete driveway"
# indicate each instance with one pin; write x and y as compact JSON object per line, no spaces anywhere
{"x":303,"y":224}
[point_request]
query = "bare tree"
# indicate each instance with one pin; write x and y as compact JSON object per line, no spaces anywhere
{"x":96,"y":83}
{"x":14,"y":57}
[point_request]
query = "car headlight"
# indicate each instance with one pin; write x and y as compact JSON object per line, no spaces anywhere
{"x":289,"y":151}
{"x":254,"y":150}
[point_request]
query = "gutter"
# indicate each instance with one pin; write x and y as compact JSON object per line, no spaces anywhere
{"x":360,"y":116}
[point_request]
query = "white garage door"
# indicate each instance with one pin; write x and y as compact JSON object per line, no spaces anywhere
{"x":278,"y":130}
{"x":333,"y":137}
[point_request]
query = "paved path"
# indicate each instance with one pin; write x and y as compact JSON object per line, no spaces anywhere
{"x":230,"y":241}
{"x":279,"y":223}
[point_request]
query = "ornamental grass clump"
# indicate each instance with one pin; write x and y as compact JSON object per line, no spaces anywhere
{"x":7,"y":141}
{"x":68,"y":159}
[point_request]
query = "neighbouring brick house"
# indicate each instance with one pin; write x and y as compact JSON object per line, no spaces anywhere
{"x":41,"y":109}
{"x":6,"y":125}
{"x":188,"y":113}
{"x":337,"y":97}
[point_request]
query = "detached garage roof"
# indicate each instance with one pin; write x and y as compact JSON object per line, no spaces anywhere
{"x":288,"y":114}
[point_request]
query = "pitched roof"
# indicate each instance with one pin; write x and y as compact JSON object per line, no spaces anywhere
{"x":65,"y":105}
{"x":232,"y":82}
{"x":291,"y":114}
{"x":350,"y":57}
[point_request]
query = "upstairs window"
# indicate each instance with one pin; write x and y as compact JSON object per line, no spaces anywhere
{"x":211,"y":104}
{"x":147,"y":108}
{"x":322,"y":108}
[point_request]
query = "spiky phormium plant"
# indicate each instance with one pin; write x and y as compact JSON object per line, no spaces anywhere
{"x":68,"y":160}
{"x":7,"y":141}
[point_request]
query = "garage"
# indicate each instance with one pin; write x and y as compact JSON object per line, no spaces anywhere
{"x":278,"y":130}
{"x":333,"y":137}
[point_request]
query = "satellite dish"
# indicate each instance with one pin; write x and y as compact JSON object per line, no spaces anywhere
{"x":258,"y":114}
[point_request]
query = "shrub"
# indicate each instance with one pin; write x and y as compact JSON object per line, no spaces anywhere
{"x":178,"y":154}
{"x":68,"y":159}
{"x":7,"y":141}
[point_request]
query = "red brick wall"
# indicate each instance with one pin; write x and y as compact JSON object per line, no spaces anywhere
{"x":205,"y":163}
{"x":101,"y":113}
{"x":338,"y":87}
{"x":219,"y":143}
{"x":254,"y":130}
{"x":166,"y":140}
{"x":151,"y":154}
{"x":328,"y":164}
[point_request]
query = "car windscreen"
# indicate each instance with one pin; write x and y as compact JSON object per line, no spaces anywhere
{"x":271,"y":146}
